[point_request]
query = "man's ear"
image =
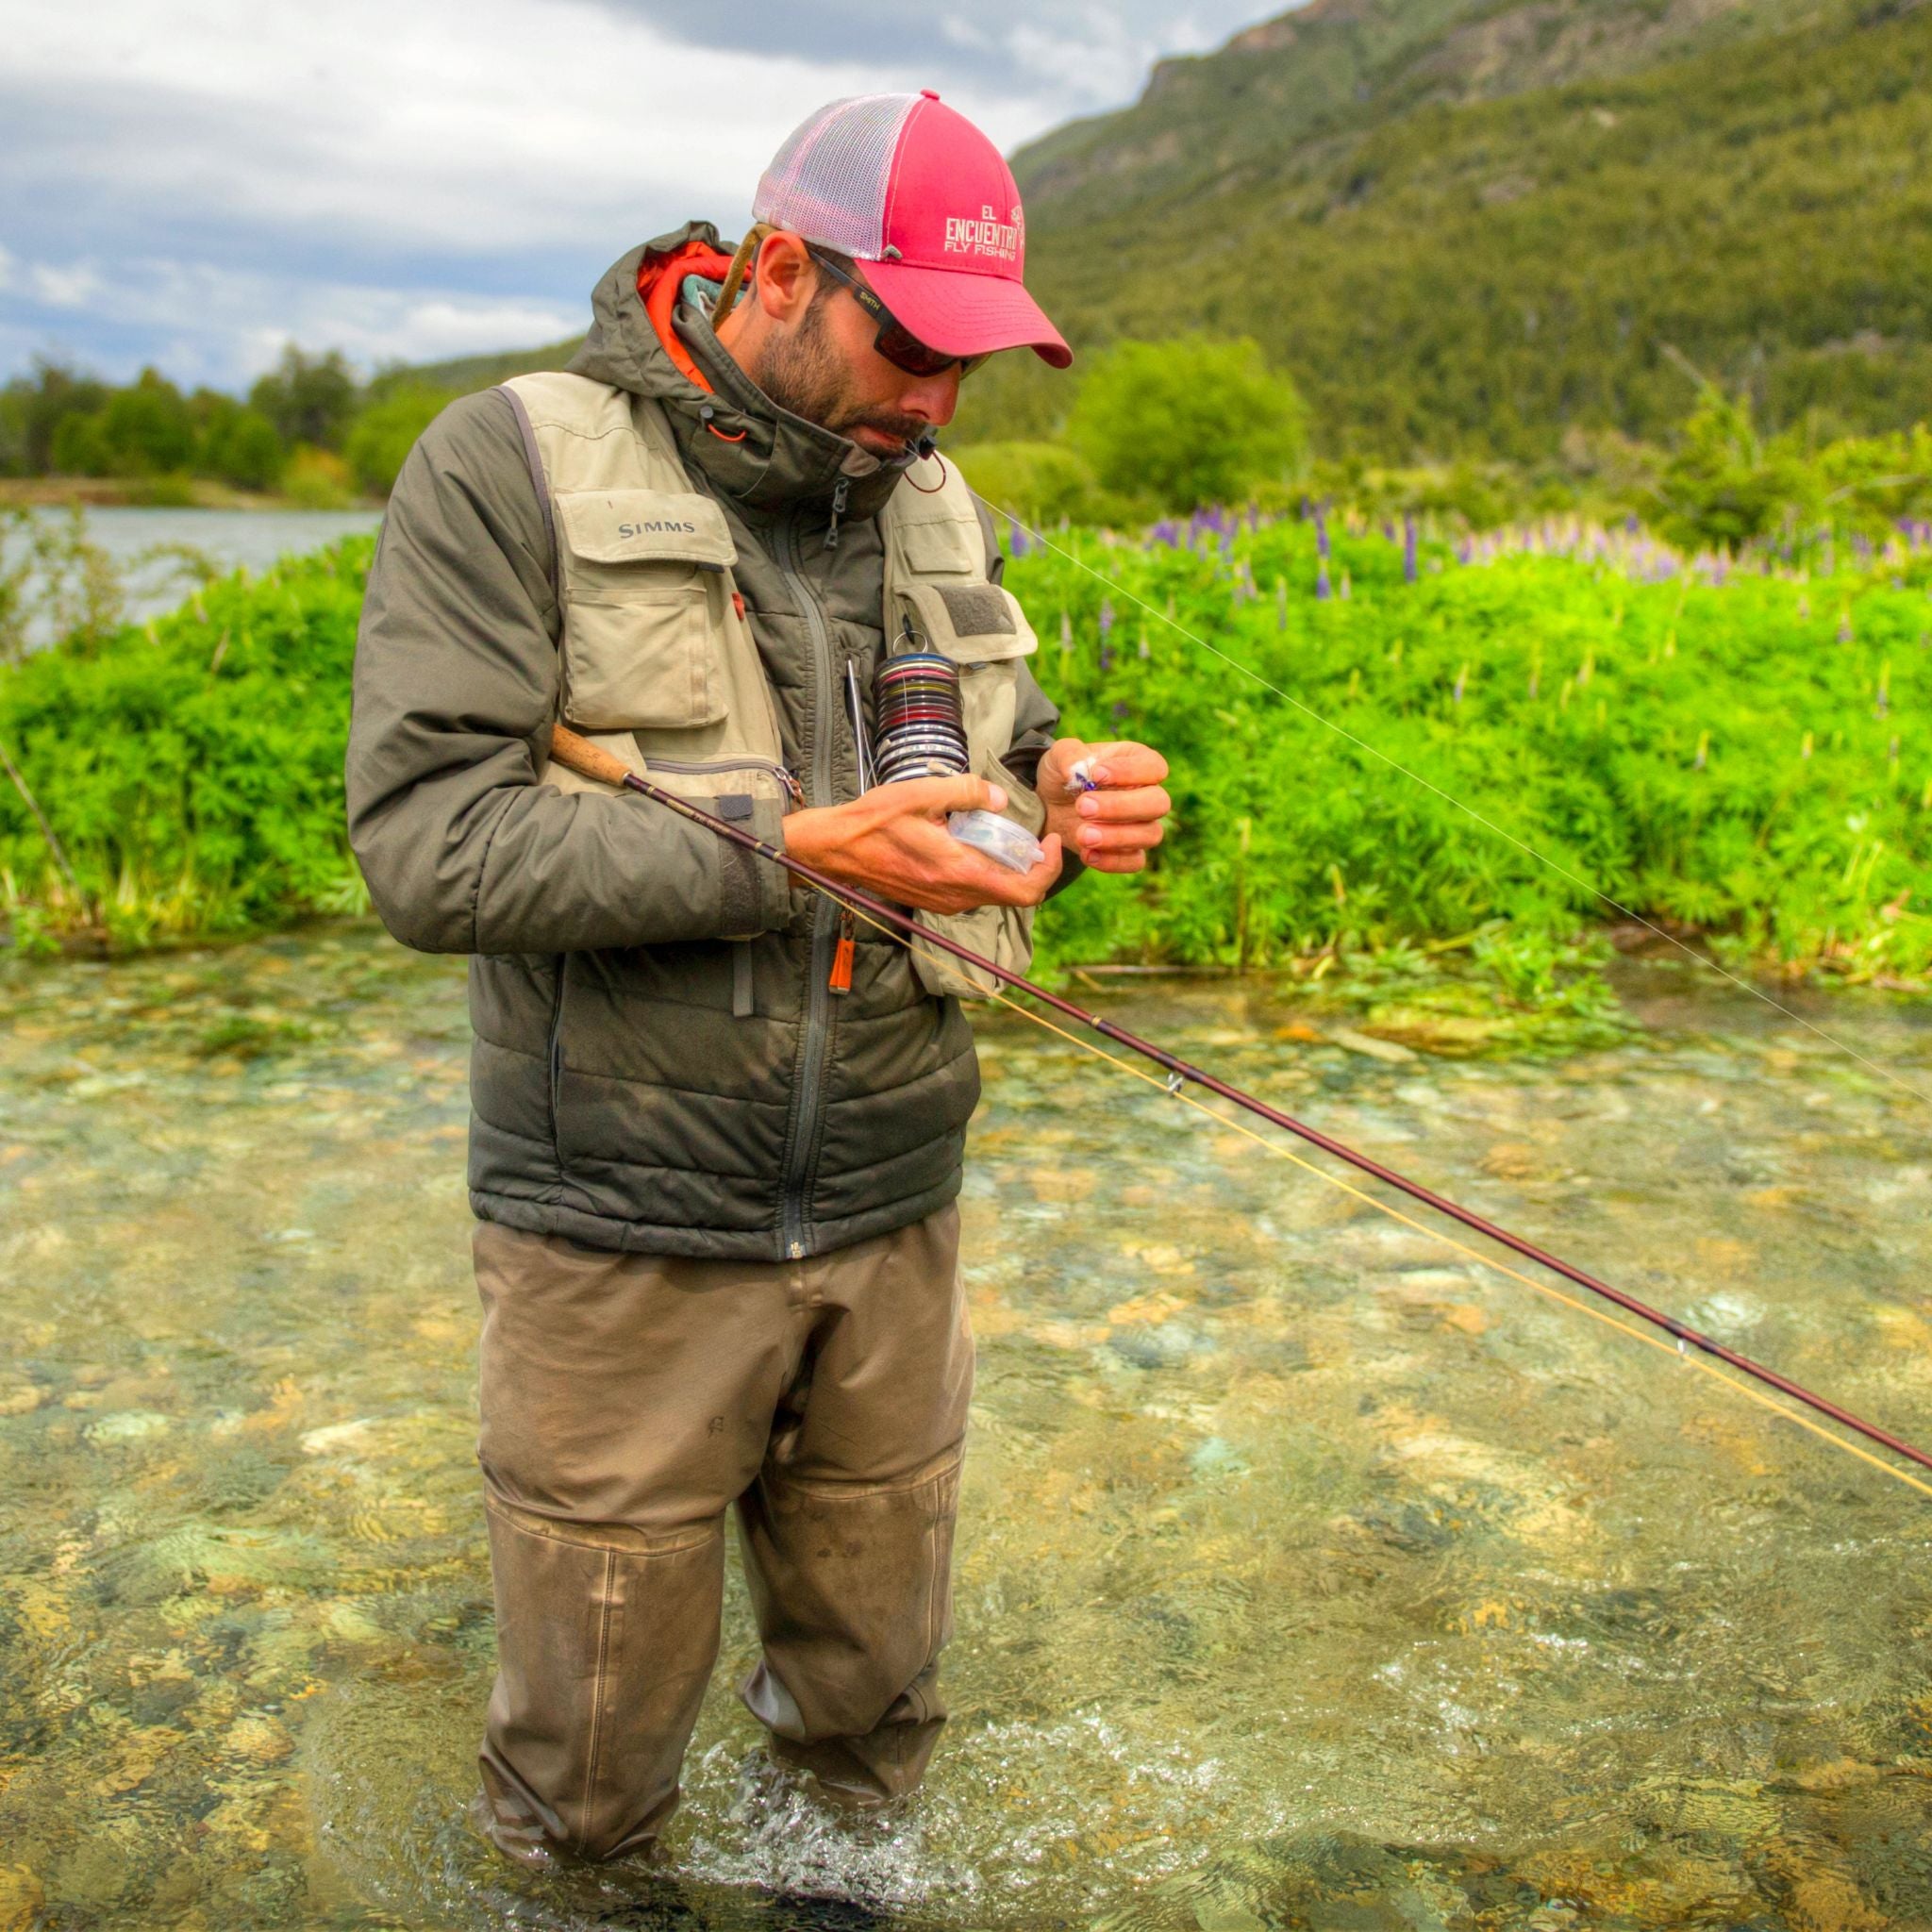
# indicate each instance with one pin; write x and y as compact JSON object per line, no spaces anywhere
{"x":786,"y":277}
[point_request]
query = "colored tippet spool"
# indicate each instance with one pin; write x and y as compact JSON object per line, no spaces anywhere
{"x":919,"y":731}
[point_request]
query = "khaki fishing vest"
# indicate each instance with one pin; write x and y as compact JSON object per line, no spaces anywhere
{"x":659,"y":666}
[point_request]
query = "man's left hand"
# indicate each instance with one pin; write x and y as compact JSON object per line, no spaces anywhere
{"x":1112,"y":827}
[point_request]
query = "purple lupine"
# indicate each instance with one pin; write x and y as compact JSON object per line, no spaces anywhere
{"x":1320,"y":535}
{"x":1408,"y":548}
{"x":1322,"y":585}
{"x":1106,"y":625}
{"x":1347,"y":586}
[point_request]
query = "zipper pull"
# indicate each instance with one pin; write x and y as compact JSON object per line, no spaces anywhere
{"x":838,"y":496}
{"x":841,"y":981}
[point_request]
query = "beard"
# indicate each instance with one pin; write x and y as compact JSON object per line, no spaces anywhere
{"x":803,"y":371}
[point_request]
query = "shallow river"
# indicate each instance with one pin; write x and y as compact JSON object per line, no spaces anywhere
{"x":1309,"y":1576}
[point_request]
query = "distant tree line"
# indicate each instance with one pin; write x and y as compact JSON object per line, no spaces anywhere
{"x":308,"y":430}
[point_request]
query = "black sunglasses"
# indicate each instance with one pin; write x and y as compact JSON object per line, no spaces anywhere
{"x":894,"y":340}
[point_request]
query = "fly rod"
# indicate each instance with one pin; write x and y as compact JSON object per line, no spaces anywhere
{"x":592,"y":762}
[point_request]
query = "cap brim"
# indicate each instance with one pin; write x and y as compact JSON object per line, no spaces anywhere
{"x":965,"y":314}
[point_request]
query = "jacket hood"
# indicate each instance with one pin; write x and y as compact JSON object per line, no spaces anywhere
{"x":747,"y":445}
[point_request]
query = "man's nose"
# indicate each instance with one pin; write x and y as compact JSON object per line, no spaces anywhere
{"x":933,"y":398}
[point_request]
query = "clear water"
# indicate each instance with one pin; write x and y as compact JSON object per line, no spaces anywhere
{"x":235,"y":539}
{"x":1307,"y":1577}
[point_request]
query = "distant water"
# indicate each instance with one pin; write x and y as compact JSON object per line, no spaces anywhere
{"x":235,"y":539}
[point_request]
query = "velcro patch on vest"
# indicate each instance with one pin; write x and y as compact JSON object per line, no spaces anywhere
{"x":978,"y":610}
{"x":644,"y":527}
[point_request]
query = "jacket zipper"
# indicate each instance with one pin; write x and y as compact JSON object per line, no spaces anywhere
{"x":561,"y":963}
{"x":808,"y":1097}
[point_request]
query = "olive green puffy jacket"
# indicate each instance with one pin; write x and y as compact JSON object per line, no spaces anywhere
{"x":620,"y":1093}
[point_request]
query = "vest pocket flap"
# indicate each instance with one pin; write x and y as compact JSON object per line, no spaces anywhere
{"x":972,"y":623}
{"x":941,"y":542}
{"x":644,"y":527}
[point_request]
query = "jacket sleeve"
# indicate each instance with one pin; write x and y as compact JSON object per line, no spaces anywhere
{"x":463,"y":848}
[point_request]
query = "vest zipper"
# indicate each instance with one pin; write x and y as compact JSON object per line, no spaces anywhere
{"x":808,"y":1099}
{"x":697,"y":767}
{"x":839,"y":492}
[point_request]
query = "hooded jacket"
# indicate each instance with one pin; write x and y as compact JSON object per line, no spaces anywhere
{"x":620,"y":1095}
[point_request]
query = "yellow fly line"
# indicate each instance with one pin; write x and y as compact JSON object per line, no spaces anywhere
{"x":1284,"y":1151}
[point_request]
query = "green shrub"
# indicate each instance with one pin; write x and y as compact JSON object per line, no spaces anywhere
{"x":240,"y":448}
{"x":386,"y":432}
{"x":318,"y":480}
{"x":193,"y":777}
{"x":1190,"y":421}
{"x":1042,"y":481}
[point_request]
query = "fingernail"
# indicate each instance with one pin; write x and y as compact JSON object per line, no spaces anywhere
{"x":1088,"y":807}
{"x":1100,"y":774}
{"x":997,"y":799}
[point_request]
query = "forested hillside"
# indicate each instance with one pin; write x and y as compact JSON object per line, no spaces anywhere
{"x":1466,"y":229}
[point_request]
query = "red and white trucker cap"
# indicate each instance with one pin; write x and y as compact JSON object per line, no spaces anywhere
{"x":911,"y":187}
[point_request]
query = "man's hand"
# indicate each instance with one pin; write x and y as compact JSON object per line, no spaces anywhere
{"x":1112,"y":827}
{"x":894,"y":842}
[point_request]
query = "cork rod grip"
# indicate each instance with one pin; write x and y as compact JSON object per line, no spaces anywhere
{"x":585,"y":759}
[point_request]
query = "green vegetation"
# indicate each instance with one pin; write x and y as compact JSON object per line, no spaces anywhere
{"x":308,"y":432}
{"x":185,"y":777}
{"x":1466,"y":230}
{"x":1718,"y":749}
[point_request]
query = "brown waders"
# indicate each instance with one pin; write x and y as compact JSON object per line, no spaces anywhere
{"x":628,"y":1399}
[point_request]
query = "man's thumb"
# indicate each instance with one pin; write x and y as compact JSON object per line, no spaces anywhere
{"x":965,"y":794}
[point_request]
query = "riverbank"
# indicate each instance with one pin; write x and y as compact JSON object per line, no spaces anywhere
{"x":148,"y":492}
{"x":1460,"y":744}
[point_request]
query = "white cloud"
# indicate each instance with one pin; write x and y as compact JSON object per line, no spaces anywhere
{"x":217,"y":326}
{"x":440,"y":175}
{"x":447,"y":123}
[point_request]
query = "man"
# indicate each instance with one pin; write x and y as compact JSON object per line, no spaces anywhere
{"x":717,"y":1125}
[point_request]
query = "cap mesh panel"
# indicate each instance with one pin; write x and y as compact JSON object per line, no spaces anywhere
{"x":829,"y":181}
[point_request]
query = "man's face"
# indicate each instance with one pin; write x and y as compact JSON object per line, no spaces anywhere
{"x":825,"y":368}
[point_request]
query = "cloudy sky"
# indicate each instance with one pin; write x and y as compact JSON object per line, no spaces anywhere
{"x":195,"y":182}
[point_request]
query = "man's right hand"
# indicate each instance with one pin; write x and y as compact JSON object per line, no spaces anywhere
{"x":893,"y":844}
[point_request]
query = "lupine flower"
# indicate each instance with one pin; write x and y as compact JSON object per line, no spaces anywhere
{"x":1703,"y":751}
{"x":1347,"y":588}
{"x":1408,"y":548}
{"x":1845,"y":625}
{"x":1461,"y":682}
{"x":1066,"y":632}
{"x":1320,"y":535}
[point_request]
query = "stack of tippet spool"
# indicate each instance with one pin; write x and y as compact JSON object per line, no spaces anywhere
{"x":919,"y":726}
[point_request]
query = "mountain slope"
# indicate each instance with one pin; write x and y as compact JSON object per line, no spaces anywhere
{"x":1452,"y":254}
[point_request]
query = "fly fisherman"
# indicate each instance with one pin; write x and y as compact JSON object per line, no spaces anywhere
{"x":717,"y":1126}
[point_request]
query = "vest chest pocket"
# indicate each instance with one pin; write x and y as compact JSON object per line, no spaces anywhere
{"x":646,"y":606}
{"x":982,"y":627}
